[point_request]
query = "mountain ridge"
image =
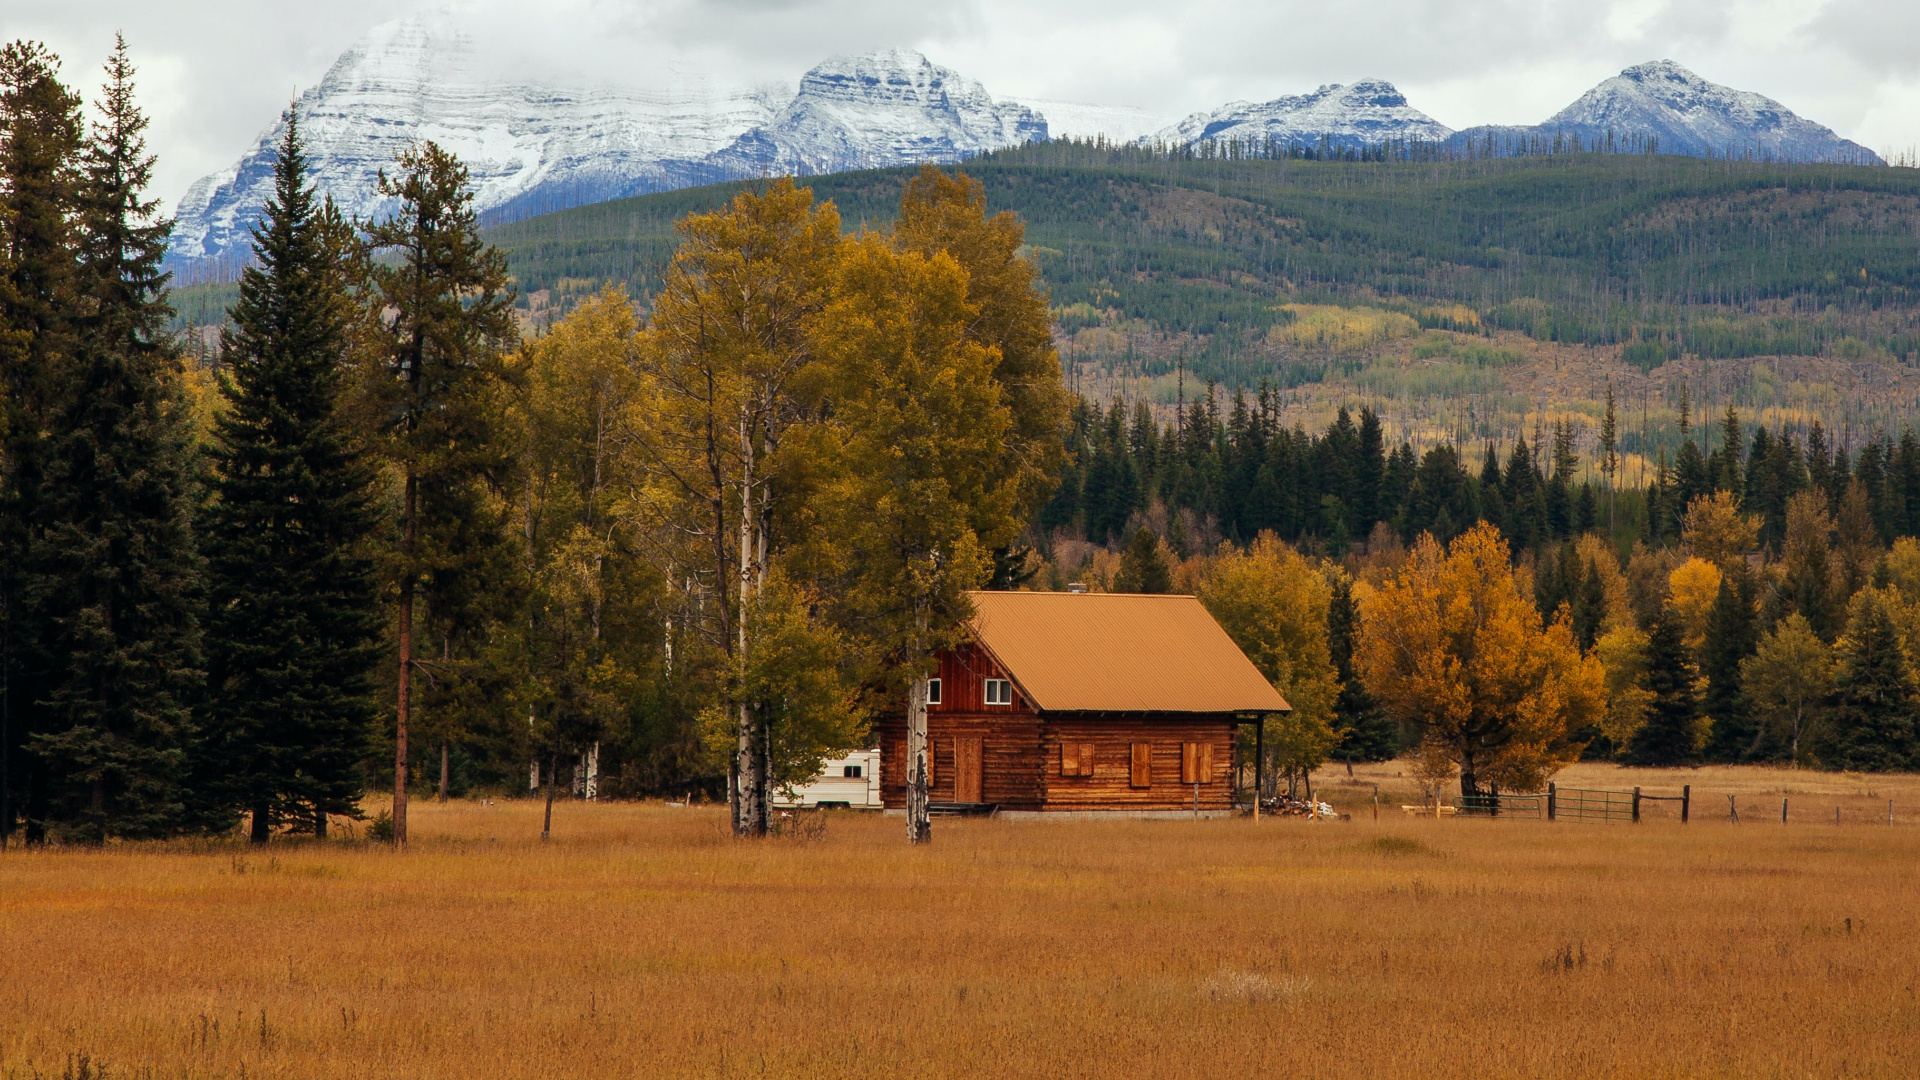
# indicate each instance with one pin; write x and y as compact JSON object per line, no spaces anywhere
{"x":533,"y":148}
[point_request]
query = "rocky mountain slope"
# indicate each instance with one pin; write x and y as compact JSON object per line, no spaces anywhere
{"x":1684,"y":114}
{"x":534,"y":148}
{"x":1365,"y":113}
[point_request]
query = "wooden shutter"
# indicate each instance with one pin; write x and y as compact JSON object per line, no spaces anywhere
{"x":1196,"y":763}
{"x":1076,"y":759}
{"x":968,"y":771}
{"x":1142,"y":765}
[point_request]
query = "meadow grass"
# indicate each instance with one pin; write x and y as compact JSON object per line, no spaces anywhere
{"x":643,"y":941}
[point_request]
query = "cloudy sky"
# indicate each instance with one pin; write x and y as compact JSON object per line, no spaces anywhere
{"x":214,"y":73}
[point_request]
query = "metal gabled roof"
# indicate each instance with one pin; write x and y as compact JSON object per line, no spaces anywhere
{"x":1119,"y":652}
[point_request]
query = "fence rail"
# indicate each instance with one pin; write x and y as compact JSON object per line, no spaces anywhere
{"x":1602,"y":804}
{"x":1504,"y":805}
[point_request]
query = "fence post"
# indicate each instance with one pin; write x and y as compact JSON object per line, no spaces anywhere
{"x":1783,"y":811}
{"x":1733,"y":809}
{"x":1889,"y":811}
{"x":1552,"y":795}
{"x":1636,"y":805}
{"x":1686,"y":801}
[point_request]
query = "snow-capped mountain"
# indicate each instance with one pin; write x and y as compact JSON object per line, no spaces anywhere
{"x":531,"y":148}
{"x":1365,"y":113}
{"x":884,"y":108}
{"x":1688,"y":115}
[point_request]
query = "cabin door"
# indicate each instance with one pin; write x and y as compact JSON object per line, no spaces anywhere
{"x":968,"y":769}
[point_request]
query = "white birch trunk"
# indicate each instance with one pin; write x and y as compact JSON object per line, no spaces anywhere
{"x":750,"y":816}
{"x":593,"y":773}
{"x":919,"y":821}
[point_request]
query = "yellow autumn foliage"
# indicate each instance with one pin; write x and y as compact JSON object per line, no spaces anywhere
{"x":1453,"y":647}
{"x":1341,"y":329}
{"x":1691,"y":589}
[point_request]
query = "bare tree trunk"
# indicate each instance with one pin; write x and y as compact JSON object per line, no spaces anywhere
{"x":319,"y":824}
{"x":919,"y":820}
{"x":405,"y":705}
{"x":443,"y":771}
{"x":553,"y":775}
{"x":262,"y":824}
{"x":593,"y":773}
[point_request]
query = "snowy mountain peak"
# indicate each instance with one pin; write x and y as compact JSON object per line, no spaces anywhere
{"x":1364,"y":113}
{"x":1690,"y":115}
{"x":889,"y":107}
{"x":531,"y":146}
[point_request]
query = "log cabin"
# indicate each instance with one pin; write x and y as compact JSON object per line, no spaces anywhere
{"x":1083,"y":703}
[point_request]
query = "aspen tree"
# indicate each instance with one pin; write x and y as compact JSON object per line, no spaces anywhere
{"x":728,"y":342}
{"x":917,"y":494}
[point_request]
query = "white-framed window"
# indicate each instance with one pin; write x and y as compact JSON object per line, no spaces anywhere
{"x":933,"y":691}
{"x":999,"y":692}
{"x":850,"y":772}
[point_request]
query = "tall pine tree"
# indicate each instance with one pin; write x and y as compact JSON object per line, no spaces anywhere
{"x":116,"y":571}
{"x":40,"y":139}
{"x":1671,"y":733}
{"x":1870,"y":721}
{"x":294,"y":611}
{"x":434,"y":395}
{"x":1367,"y":733}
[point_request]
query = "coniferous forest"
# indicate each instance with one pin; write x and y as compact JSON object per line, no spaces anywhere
{"x":672,"y":495}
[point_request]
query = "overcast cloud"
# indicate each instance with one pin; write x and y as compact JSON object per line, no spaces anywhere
{"x":215,"y":73}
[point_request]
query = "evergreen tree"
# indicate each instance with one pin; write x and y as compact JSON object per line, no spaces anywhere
{"x":40,"y":139}
{"x":1731,"y":443}
{"x":1672,"y":730}
{"x":1589,"y":607}
{"x":117,"y":572}
{"x":1367,"y":732}
{"x":1870,"y":721}
{"x":1142,"y":568}
{"x":1732,"y":635}
{"x":433,"y":395}
{"x":1492,"y":505}
{"x":295,"y":610}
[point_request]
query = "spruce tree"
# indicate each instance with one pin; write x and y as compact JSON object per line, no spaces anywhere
{"x":1589,"y":607}
{"x":1671,"y":733}
{"x":1367,"y":732}
{"x":1733,"y":633}
{"x":117,"y":574}
{"x":1142,"y":568}
{"x":40,"y":139}
{"x":1870,"y":720}
{"x":294,"y":615}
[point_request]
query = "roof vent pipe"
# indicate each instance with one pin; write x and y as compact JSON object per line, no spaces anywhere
{"x":1077,"y":587}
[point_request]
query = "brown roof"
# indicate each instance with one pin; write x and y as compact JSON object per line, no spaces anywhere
{"x":1119,"y":652}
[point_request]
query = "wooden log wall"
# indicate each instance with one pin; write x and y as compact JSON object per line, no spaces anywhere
{"x":1022,"y":754}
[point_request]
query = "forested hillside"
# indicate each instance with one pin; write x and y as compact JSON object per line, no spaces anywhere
{"x":1463,"y":299}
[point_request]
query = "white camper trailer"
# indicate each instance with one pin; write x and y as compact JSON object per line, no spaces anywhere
{"x":848,"y":782}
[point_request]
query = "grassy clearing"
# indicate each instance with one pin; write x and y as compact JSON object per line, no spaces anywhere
{"x":644,"y":941}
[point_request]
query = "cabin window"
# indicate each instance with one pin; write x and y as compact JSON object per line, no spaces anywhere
{"x":850,"y":772}
{"x":999,"y":692}
{"x":933,"y":691}
{"x":1142,"y":774}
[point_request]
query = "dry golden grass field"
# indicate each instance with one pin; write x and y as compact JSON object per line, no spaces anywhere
{"x":643,"y":942}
